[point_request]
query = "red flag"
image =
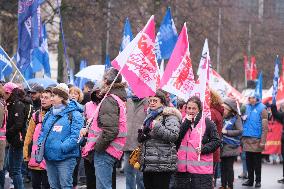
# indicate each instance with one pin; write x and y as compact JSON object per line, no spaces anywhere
{"x":178,"y":77}
{"x":253,"y":69}
{"x":282,"y":66}
{"x":247,"y":68}
{"x":138,"y":62}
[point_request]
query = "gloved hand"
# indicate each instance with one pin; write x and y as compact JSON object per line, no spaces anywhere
{"x":143,"y":134}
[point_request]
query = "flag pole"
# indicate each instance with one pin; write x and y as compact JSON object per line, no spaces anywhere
{"x":15,"y":67}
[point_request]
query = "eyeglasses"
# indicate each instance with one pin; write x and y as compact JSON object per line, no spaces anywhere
{"x":154,"y":101}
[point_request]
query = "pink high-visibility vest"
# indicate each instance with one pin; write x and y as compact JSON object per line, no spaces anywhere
{"x":32,"y":163}
{"x":90,"y":108}
{"x":115,"y":149}
{"x":188,"y":157}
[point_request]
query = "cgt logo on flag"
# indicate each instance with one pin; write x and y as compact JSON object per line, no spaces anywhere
{"x":142,"y":64}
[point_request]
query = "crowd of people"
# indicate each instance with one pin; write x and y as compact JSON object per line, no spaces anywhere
{"x":179,"y":147}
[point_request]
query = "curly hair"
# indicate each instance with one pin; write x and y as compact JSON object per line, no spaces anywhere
{"x":215,"y":98}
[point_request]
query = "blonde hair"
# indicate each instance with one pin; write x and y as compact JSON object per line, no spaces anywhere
{"x":79,"y":91}
{"x":215,"y":98}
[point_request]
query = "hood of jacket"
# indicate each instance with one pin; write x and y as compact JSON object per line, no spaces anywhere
{"x":117,"y":89}
{"x":71,"y":106}
{"x":172,"y":111}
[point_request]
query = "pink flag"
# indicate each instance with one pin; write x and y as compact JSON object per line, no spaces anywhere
{"x":178,"y":77}
{"x":138,"y":63}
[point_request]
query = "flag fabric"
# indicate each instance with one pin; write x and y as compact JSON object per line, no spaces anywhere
{"x":162,"y":68}
{"x":253,"y":68}
{"x":5,"y":64}
{"x":41,"y":54}
{"x":247,"y":68}
{"x":71,"y":76}
{"x":275,"y":80}
{"x":224,"y":89}
{"x":205,"y":51}
{"x":127,"y":35}
{"x":28,"y":33}
{"x":201,"y":87}
{"x":107,"y":62}
{"x":258,"y":88}
{"x":178,"y":78}
{"x":138,"y":62}
{"x":166,"y":37}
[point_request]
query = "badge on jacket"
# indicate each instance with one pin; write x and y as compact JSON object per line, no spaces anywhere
{"x":57,"y":128}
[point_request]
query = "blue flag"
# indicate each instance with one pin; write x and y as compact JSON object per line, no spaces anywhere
{"x":107,"y":63}
{"x":28,"y":34}
{"x":5,"y":64}
{"x":127,"y":35}
{"x":275,"y":80}
{"x":258,"y":88}
{"x":166,"y":37}
{"x":41,"y":55}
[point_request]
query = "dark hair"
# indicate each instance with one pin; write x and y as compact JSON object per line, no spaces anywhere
{"x":47,"y":90}
{"x":17,"y":94}
{"x":90,"y":84}
{"x":196,"y":100}
{"x":110,"y":75}
{"x":161,"y":95}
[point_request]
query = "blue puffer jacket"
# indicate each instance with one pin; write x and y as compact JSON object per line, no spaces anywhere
{"x":62,"y":140}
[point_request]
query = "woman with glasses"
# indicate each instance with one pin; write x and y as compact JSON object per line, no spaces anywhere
{"x":195,"y":163}
{"x":158,"y":136}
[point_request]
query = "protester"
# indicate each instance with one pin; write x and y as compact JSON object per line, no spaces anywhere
{"x":216,"y":110}
{"x":108,"y":135}
{"x":35,"y":93}
{"x":87,"y":90}
{"x":18,"y":112}
{"x":279,"y":116}
{"x":76,"y":94}
{"x":192,"y":173}
{"x":61,"y":127}
{"x":231,"y":131}
{"x":136,"y":109}
{"x":90,"y":108}
{"x":38,"y":171}
{"x":254,"y":137}
{"x":158,"y":136}
{"x":3,"y":119}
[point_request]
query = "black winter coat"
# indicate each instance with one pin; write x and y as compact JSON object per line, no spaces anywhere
{"x":279,"y":116}
{"x":17,"y":122}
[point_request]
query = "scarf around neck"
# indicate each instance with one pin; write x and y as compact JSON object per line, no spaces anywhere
{"x":152,"y":114}
{"x":57,"y":109}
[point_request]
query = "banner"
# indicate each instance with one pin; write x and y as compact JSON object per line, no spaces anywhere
{"x":223,"y":88}
{"x":138,"y":62}
{"x":273,"y":139}
{"x":178,"y":78}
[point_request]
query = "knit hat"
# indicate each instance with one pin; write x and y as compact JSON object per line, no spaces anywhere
{"x":61,"y":90}
{"x":161,"y":95}
{"x":8,"y":87}
{"x":232,"y":104}
{"x":110,"y":75}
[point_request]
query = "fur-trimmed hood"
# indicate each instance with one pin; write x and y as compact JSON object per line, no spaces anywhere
{"x":172,"y":111}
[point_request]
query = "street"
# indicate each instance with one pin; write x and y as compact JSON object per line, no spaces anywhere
{"x":270,"y":175}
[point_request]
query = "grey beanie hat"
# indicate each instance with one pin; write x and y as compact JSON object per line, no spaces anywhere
{"x":232,"y":104}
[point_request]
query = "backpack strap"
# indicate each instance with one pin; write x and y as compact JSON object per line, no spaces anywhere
{"x":37,"y":117}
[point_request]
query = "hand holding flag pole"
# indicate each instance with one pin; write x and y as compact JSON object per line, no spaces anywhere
{"x":17,"y":70}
